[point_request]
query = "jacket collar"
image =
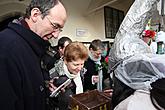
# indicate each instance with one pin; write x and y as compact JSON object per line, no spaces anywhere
{"x":38,"y":45}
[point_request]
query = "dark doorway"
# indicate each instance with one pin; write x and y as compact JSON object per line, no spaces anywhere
{"x":5,"y":22}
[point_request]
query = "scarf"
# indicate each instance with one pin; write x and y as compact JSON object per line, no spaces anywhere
{"x":21,"y":21}
{"x":76,"y":78}
{"x":100,"y":73}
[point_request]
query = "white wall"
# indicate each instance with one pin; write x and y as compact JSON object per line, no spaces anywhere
{"x":93,"y":23}
{"x":78,"y":18}
{"x":10,"y":8}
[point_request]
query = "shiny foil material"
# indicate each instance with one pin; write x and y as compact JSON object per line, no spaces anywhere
{"x":127,"y":41}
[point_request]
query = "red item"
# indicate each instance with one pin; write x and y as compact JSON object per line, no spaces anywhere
{"x":106,"y":59}
{"x":149,"y":33}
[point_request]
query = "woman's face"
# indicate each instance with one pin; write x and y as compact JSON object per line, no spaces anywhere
{"x":75,"y":67}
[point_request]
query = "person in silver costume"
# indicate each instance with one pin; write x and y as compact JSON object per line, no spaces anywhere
{"x":138,"y":74}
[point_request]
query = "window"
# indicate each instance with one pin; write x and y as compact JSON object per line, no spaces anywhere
{"x":113,"y":19}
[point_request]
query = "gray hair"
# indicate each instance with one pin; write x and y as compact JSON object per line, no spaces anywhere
{"x":43,"y":5}
{"x":96,"y":44}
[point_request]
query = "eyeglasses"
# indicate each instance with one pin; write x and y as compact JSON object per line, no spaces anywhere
{"x":55,"y":26}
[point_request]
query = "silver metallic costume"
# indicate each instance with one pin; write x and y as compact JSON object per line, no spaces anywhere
{"x":130,"y":57}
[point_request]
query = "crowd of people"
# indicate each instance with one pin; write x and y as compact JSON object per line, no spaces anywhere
{"x":27,"y":75}
{"x":31,"y":69}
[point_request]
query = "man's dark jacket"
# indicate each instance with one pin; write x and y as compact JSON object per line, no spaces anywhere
{"x":21,"y":77}
{"x":90,"y":65}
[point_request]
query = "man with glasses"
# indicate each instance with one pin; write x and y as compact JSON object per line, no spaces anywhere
{"x":22,"y":45}
{"x":93,"y":78}
{"x":56,"y":26}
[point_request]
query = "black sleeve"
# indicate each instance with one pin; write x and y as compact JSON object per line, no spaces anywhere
{"x":120,"y":92}
{"x":88,"y":76}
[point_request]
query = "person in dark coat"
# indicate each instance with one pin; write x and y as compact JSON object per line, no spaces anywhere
{"x":23,"y":45}
{"x":93,"y":78}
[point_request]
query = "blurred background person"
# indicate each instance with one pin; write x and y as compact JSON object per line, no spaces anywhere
{"x":62,"y":43}
{"x":93,"y":78}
